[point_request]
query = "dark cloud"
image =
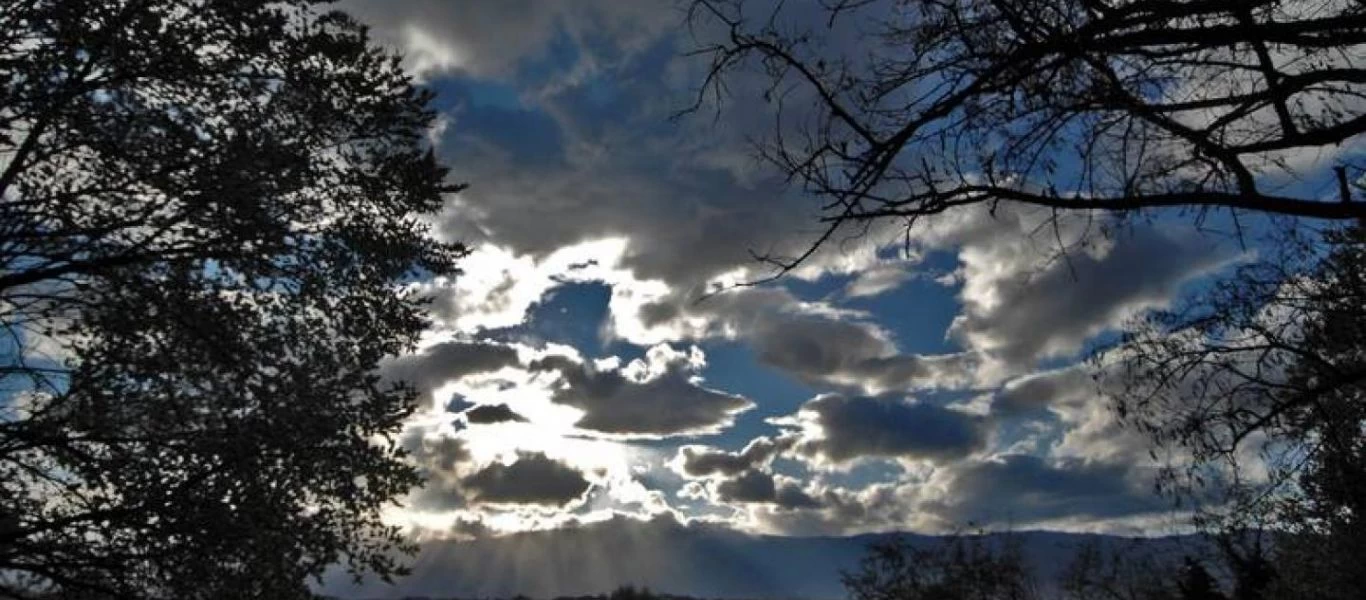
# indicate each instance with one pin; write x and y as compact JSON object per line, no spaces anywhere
{"x":910,"y":372}
{"x":789,"y":495}
{"x":662,"y":400}
{"x":825,"y":350}
{"x":485,"y":414}
{"x":753,"y":487}
{"x":701,"y":461}
{"x":446,"y":362}
{"x":854,"y":427}
{"x":839,"y":511}
{"x":532,"y":479}
{"x":1023,"y":488}
{"x":1019,"y":490}
{"x":445,"y":463}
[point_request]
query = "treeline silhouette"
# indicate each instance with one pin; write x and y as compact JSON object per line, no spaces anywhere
{"x":1230,"y":567}
{"x":981,"y":566}
{"x":625,"y":592}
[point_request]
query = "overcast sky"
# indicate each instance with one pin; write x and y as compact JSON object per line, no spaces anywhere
{"x":576,"y":372}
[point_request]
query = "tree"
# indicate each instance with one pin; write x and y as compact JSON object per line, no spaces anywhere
{"x":630,"y":592}
{"x":1196,"y":583}
{"x":207,"y":212}
{"x":1257,"y":386}
{"x":1133,"y":571}
{"x":961,"y":568}
{"x":1059,"y":104}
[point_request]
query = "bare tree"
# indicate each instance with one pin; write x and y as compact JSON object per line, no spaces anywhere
{"x":1062,"y":104}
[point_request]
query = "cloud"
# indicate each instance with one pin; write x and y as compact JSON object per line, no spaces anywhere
{"x":750,"y":486}
{"x":491,"y":39}
{"x":557,"y":114}
{"x":790,"y":495}
{"x":440,"y":459}
{"x":680,"y":224}
{"x":703,"y":461}
{"x":743,"y":477}
{"x":446,"y":362}
{"x":486,"y":414}
{"x":531,"y":479}
{"x":497,"y":286}
{"x":875,"y":507}
{"x":1026,"y":297}
{"x":1014,"y":490}
{"x":1039,"y":491}
{"x":854,"y":354}
{"x":818,"y":343}
{"x":1077,"y":396}
{"x":439,"y":454}
{"x":879,"y":279}
{"x":754,"y":487}
{"x":840,"y":429}
{"x":1039,"y":391}
{"x":658,"y":396}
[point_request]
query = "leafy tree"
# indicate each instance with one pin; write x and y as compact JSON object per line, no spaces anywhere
{"x":1059,"y":104}
{"x":207,"y":210}
{"x":961,"y":568}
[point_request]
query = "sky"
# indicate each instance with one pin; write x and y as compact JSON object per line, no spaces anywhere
{"x":585,"y":367}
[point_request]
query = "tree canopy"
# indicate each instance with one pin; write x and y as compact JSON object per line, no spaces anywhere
{"x":207,"y":213}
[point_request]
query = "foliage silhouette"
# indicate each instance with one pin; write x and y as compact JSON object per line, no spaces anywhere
{"x":208,"y":210}
{"x":961,"y":568}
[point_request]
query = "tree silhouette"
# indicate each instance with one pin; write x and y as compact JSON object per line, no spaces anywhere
{"x":1195,"y":582}
{"x":1260,"y":382}
{"x":1134,"y":570}
{"x":960,"y":568}
{"x":1059,"y":104}
{"x":206,"y":211}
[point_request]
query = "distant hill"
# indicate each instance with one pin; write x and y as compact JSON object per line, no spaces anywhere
{"x":694,"y":560}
